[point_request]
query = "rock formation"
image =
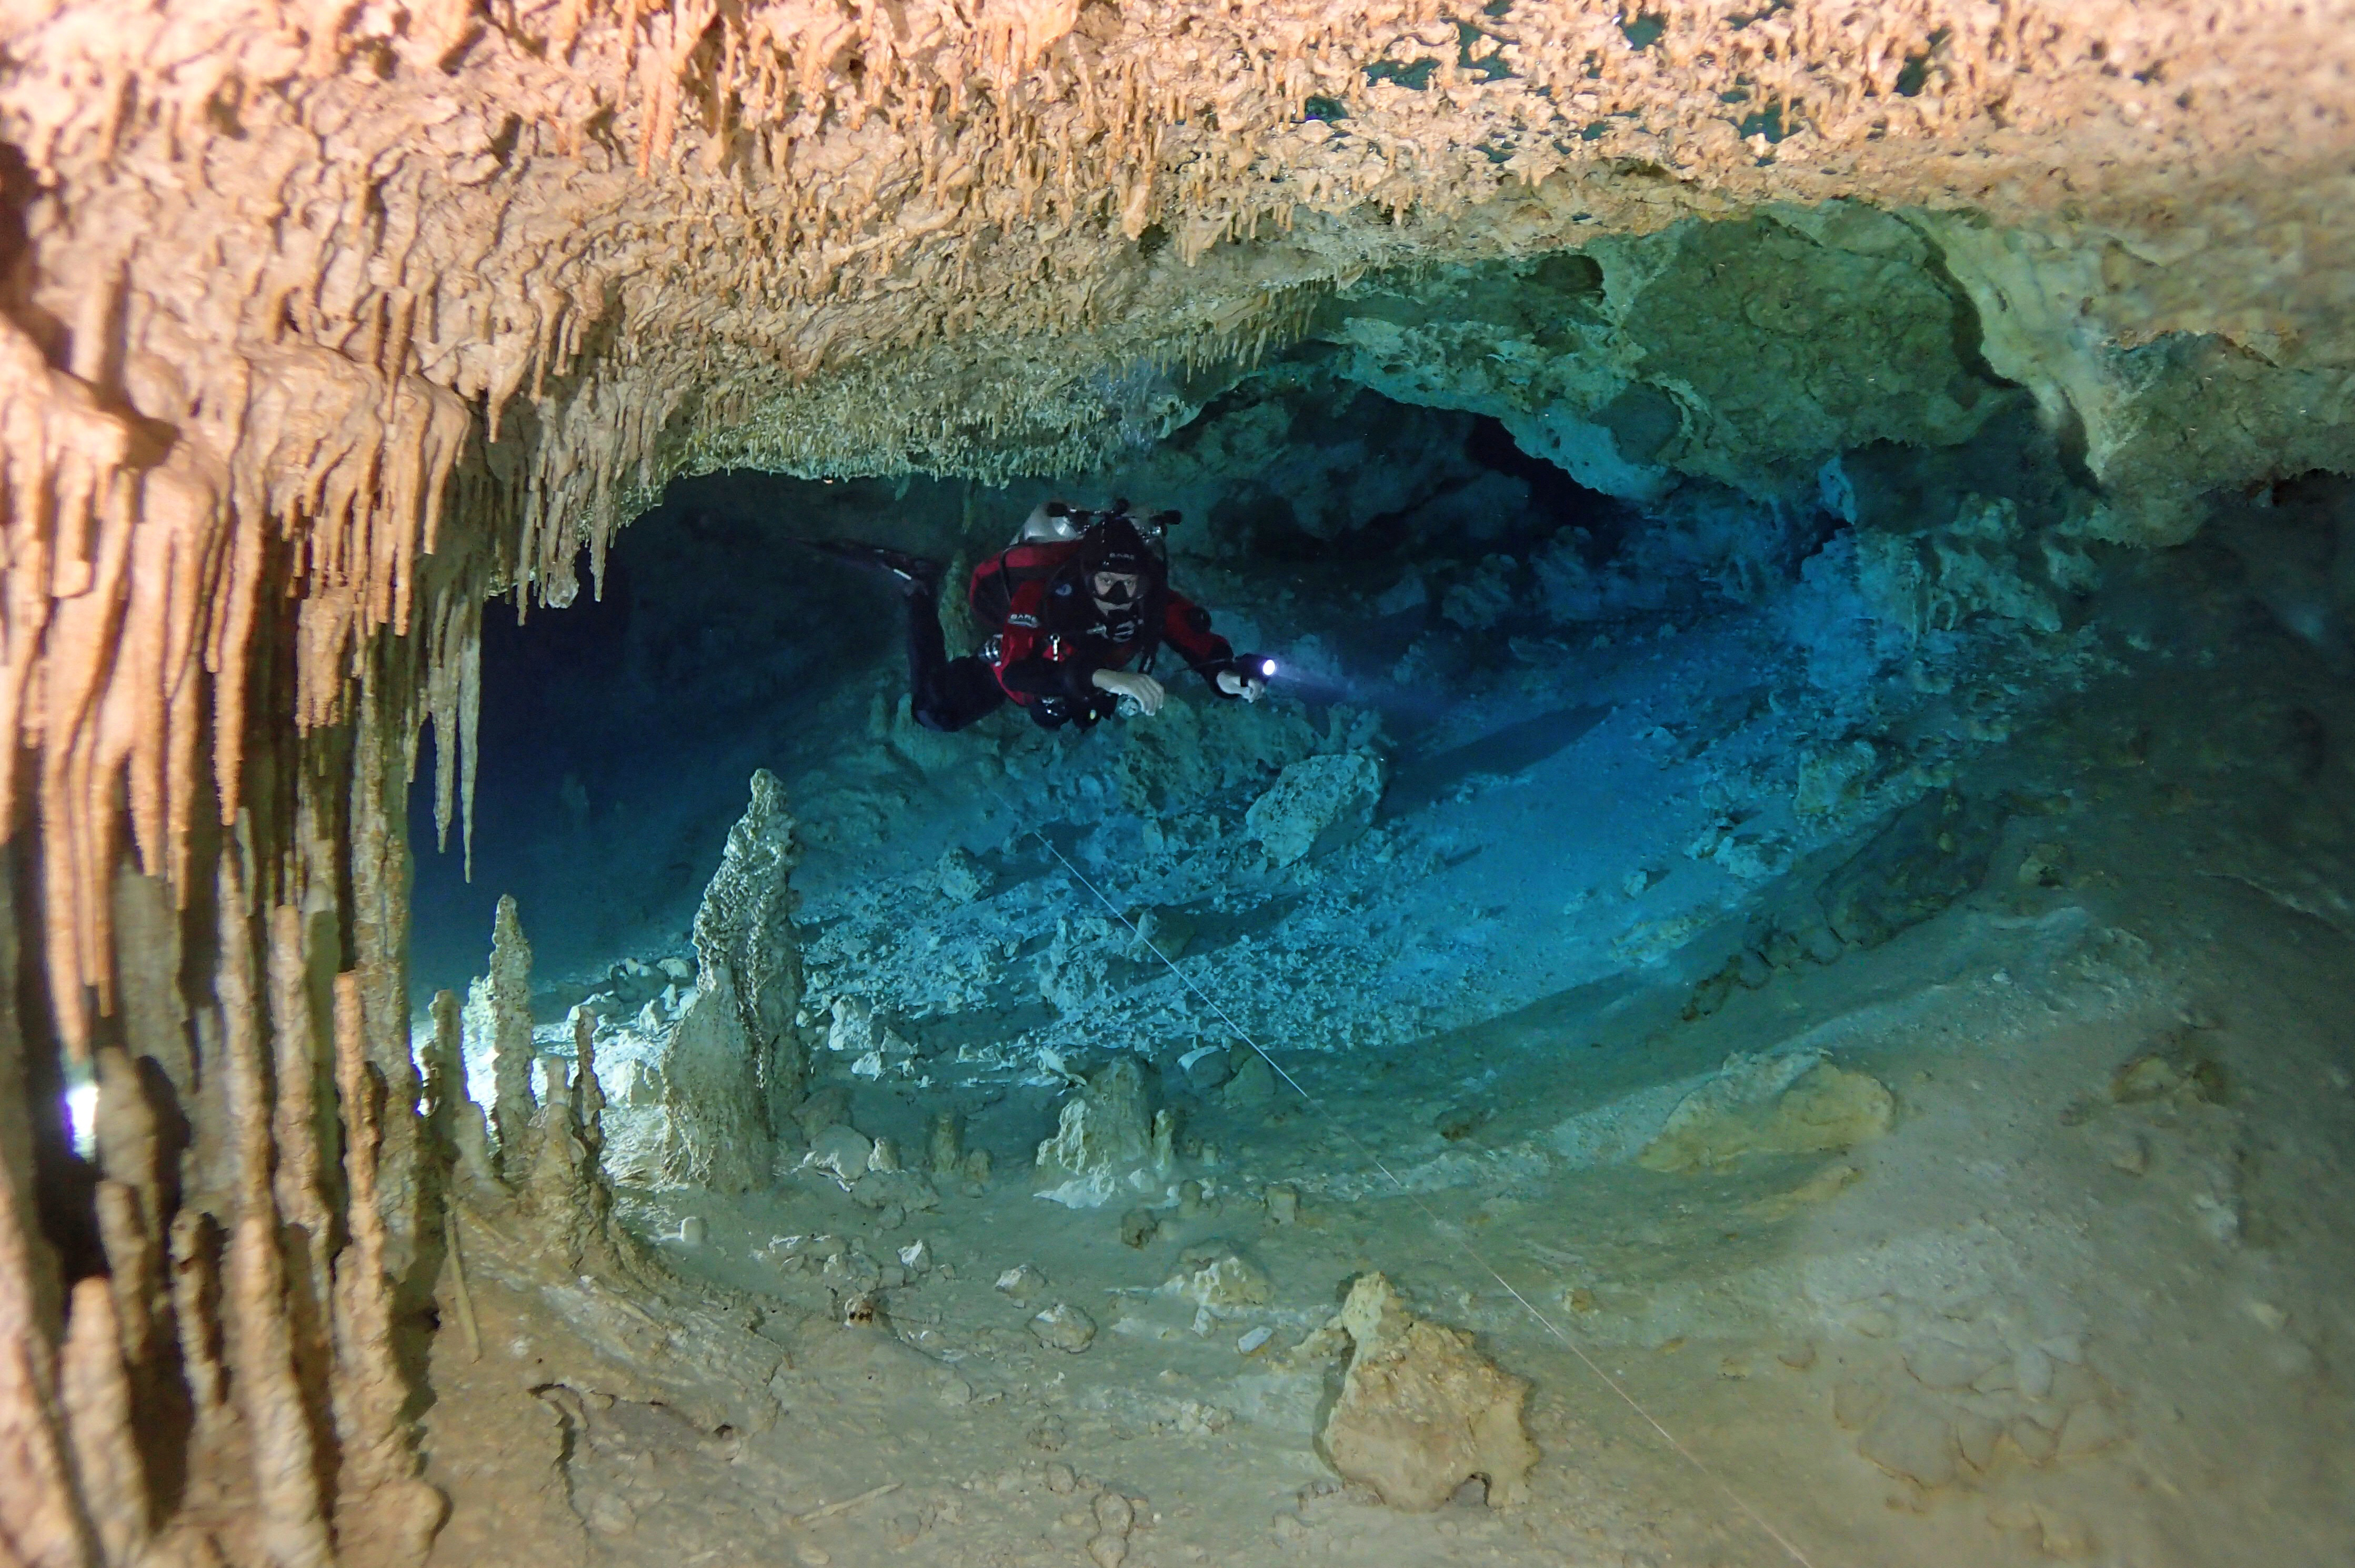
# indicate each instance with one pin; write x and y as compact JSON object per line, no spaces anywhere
{"x":1798,"y":1103}
{"x":1316,"y":804}
{"x":503,"y":1007}
{"x":745,"y":929}
{"x":1103,"y":1145}
{"x":1420,"y":1411}
{"x":734,"y":1069}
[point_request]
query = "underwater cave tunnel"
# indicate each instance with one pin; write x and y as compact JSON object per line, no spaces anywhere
{"x":1764,"y":984}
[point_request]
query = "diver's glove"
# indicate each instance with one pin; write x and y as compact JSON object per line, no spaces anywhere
{"x":1246,"y":676}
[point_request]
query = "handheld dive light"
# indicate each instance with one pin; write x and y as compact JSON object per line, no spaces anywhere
{"x":1257,"y":667}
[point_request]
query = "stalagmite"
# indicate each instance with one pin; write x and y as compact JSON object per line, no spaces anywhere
{"x":45,"y":1527}
{"x":507,"y":993}
{"x":96,"y":1399}
{"x":744,"y":932}
{"x":382,"y":1494}
{"x":291,"y":1525}
{"x":734,"y":1067}
{"x":299,"y":1089}
{"x":589,"y":1094}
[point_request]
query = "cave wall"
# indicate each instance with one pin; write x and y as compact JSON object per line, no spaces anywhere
{"x":320,"y":324}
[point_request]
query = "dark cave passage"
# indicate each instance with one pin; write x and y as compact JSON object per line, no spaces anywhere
{"x":615,"y":733}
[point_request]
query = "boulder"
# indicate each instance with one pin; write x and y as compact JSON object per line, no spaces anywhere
{"x":1103,"y":1144}
{"x":1420,"y":1411}
{"x":1064,"y":1327}
{"x":1797,"y":1103}
{"x":1021,"y":1283}
{"x":842,"y":1152}
{"x":1207,"y":1067}
{"x":962,"y":879}
{"x":1252,"y":1082}
{"x":1315,"y":805}
{"x":1214,"y":1275}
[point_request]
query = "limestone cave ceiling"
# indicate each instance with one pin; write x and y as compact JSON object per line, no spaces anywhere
{"x":324,"y":319}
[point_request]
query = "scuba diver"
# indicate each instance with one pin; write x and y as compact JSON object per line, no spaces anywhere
{"x":1076,"y":601}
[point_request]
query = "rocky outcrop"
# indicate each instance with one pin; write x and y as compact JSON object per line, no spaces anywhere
{"x":1746,"y":352}
{"x":2186,"y":359}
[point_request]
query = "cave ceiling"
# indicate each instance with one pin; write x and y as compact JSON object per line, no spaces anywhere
{"x":341,"y":316}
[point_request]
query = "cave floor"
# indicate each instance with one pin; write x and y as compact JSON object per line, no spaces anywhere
{"x":2058,"y":1311}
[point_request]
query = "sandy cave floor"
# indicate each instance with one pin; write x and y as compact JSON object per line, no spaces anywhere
{"x":2048,"y":1316}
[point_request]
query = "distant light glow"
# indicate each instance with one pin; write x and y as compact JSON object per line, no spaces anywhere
{"x":82,"y":1118}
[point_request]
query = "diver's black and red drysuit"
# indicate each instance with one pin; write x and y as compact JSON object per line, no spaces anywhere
{"x":1043,"y":652}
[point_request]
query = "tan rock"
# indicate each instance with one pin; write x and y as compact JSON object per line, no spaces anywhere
{"x":1420,"y":1411}
{"x":1795,"y":1104}
{"x":1215,"y":1275}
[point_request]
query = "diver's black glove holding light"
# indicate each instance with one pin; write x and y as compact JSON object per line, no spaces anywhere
{"x":1247,"y":675}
